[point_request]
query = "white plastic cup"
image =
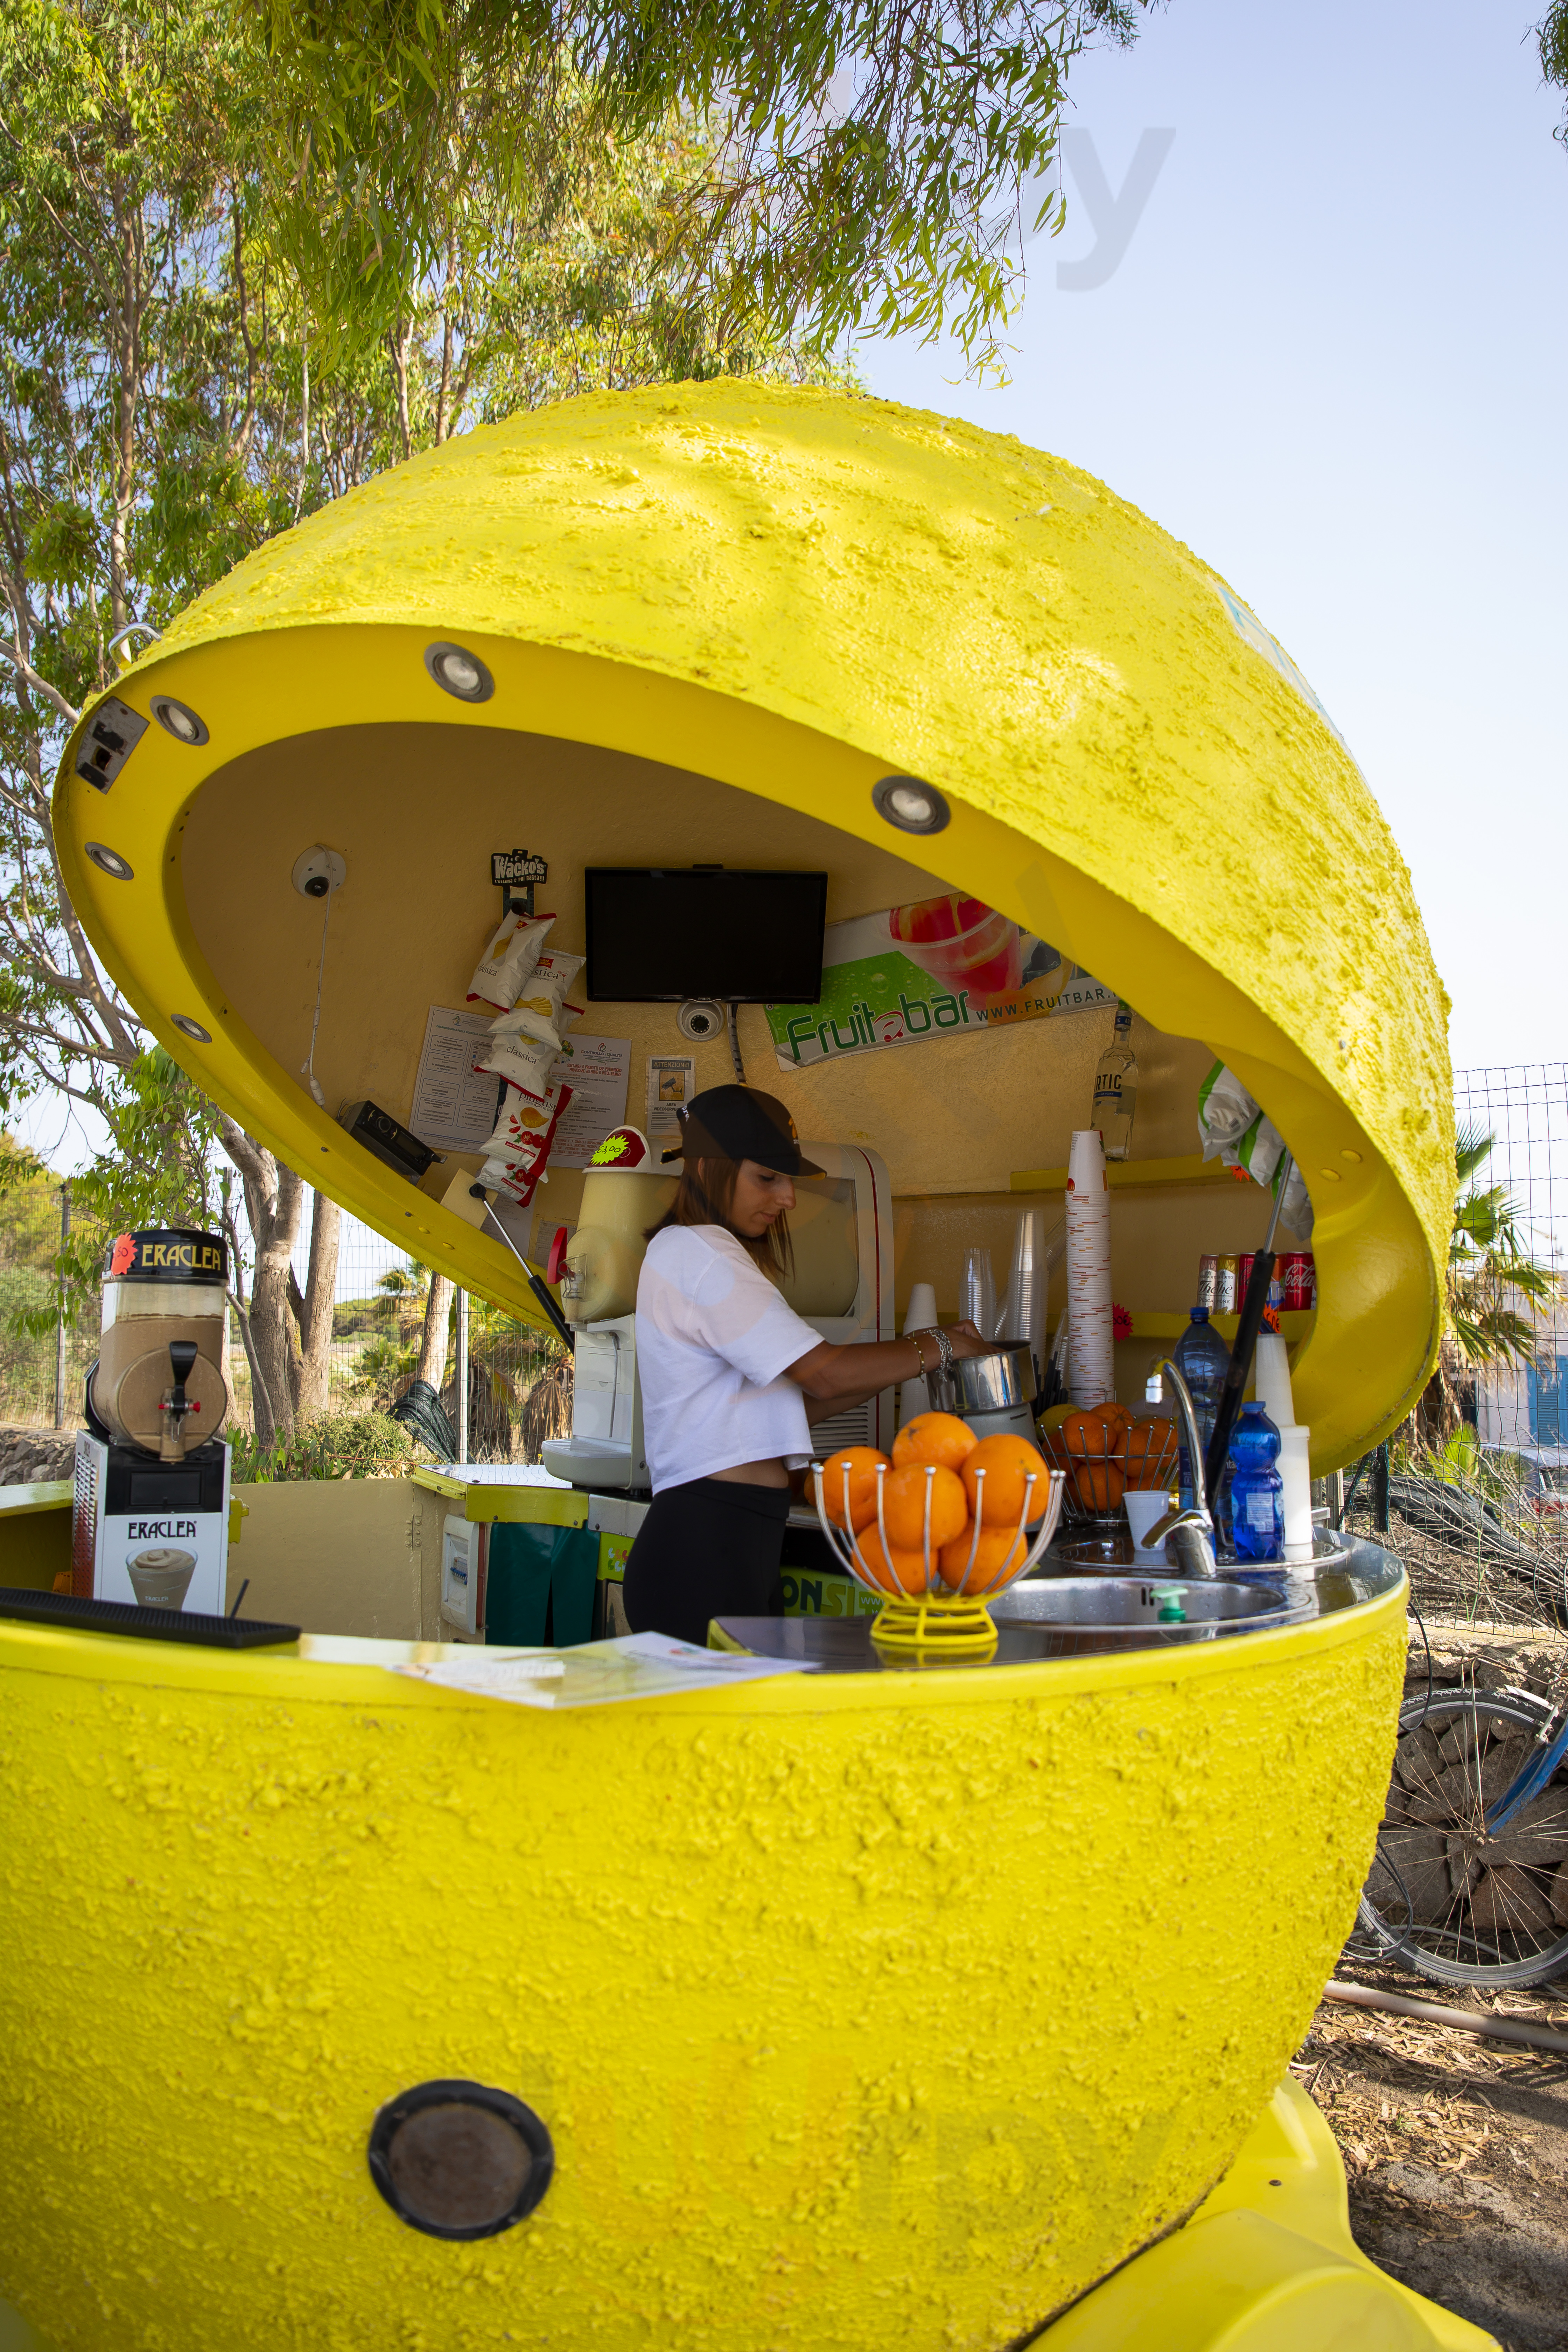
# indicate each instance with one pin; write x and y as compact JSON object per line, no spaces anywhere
{"x":1143,"y":1507}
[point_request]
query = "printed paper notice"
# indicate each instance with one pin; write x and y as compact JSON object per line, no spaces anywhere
{"x":454,"y":1108}
{"x":671,"y":1083}
{"x":632,"y":1666}
{"x":597,"y":1070}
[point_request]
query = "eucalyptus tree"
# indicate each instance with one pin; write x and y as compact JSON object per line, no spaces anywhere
{"x":175,"y":389}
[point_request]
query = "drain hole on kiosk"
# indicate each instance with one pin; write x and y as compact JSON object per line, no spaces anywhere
{"x":459,"y":2159}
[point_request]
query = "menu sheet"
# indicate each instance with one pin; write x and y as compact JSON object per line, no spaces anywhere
{"x":597,"y":1070}
{"x":454,"y":1107}
{"x":598,"y":1674}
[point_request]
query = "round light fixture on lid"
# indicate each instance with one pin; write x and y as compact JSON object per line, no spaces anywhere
{"x":910,"y":803}
{"x":461,"y":2159}
{"x":178,"y":720}
{"x":189,"y":1028}
{"x":457,"y":671}
{"x":110,"y":861}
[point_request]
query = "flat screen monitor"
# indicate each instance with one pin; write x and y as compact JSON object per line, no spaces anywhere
{"x":662,"y":934}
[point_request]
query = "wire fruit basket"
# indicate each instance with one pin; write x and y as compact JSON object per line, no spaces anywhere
{"x":936,"y":1598}
{"x":1103,"y":1454}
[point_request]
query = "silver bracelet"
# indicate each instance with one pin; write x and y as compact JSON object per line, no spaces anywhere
{"x":945,"y":1348}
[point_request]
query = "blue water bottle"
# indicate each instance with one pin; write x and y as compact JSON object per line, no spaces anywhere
{"x":1203,"y":1358}
{"x":1257,"y":1489}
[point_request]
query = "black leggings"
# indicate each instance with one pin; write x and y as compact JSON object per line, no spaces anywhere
{"x":710,"y":1548}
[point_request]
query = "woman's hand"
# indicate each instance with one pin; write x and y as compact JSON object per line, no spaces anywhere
{"x":965,"y":1339}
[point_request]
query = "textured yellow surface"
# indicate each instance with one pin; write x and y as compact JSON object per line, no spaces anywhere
{"x":881,"y":2012}
{"x":793,"y":594}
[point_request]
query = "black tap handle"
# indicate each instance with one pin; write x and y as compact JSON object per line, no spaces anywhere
{"x":182,"y":1363}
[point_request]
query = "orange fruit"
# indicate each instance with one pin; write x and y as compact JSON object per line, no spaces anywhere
{"x":1114,"y":1414}
{"x":904,"y":1507}
{"x":902,"y":1573}
{"x":1148,"y":1453}
{"x":1098,"y":1485}
{"x":1008,"y":1463}
{"x":1089,"y":1436}
{"x":939,"y":1437}
{"x":998,"y":1550}
{"x":861,"y":1462}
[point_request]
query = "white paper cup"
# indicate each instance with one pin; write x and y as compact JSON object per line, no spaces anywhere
{"x":1143,"y":1507}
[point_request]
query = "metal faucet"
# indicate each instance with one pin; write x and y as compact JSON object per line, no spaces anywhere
{"x":1190,"y":1529}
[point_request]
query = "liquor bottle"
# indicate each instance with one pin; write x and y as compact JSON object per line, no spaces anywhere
{"x":1116,"y":1088}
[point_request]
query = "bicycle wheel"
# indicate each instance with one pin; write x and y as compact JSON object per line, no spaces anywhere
{"x":1461,"y":1905}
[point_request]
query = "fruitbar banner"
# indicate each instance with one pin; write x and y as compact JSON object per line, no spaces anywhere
{"x":936,"y":967}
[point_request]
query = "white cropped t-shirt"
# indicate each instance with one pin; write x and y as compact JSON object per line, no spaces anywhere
{"x":714,"y":1337}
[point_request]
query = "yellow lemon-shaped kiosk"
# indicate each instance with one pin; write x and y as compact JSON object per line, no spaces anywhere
{"x":890,"y":2008}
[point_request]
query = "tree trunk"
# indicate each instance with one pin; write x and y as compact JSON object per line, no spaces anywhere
{"x":432,"y":1364}
{"x":312,"y":1394}
{"x":275,"y":1226}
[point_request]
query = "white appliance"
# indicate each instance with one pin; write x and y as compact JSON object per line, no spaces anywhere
{"x":842,"y":1229}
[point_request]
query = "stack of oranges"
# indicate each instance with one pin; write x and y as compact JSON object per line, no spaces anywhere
{"x":1105,"y":1452}
{"x":955,"y":1456}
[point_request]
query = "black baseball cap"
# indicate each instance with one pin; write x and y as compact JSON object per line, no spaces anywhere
{"x":741,"y":1123}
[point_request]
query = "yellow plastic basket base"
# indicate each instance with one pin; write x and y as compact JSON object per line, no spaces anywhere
{"x":959,"y":1627}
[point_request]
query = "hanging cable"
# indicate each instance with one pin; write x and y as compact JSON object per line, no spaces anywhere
{"x":308,"y":1066}
{"x":735,"y":1047}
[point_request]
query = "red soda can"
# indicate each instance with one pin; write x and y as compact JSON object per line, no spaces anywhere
{"x":1225,"y":1287}
{"x":1297,"y":1279}
{"x":1243,"y":1283}
{"x":1207,"y":1269}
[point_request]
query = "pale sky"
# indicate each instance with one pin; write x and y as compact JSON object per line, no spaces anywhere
{"x":1334,"y":361}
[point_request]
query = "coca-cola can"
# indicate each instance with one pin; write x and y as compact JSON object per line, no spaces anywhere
{"x":1297,"y":1279}
{"x":1225,"y":1285}
{"x":1207,"y":1269}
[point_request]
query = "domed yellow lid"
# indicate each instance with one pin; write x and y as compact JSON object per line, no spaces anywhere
{"x":704,"y":623}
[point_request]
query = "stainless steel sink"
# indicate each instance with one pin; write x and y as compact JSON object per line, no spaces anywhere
{"x":1135,"y":1602}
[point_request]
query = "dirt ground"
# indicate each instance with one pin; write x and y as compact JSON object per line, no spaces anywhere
{"x":1456,"y":2150}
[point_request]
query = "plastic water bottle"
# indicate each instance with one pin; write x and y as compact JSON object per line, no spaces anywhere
{"x":1257,"y":1489}
{"x":1201,"y":1358}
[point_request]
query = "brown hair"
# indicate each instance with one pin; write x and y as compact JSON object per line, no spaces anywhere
{"x":697,"y":1203}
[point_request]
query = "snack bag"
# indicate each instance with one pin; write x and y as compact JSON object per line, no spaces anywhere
{"x":523,"y":1061}
{"x":509,"y":959}
{"x":539,"y":1009}
{"x":518,"y":1150}
{"x":1233,"y":1128}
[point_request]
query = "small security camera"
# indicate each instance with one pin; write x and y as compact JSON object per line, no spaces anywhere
{"x":701,"y":1019}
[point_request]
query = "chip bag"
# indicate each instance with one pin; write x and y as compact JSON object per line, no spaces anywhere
{"x":509,"y":959}
{"x":1234,"y":1129}
{"x":520,"y":1148}
{"x":541,"y":1005}
{"x":524,"y":1062}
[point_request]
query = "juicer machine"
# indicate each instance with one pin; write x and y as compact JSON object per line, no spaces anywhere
{"x":149,"y":1516}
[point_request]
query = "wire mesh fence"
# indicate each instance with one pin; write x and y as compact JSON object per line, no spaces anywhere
{"x":518,"y":1384}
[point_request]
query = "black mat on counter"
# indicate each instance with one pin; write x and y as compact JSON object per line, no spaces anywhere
{"x":71,"y":1615}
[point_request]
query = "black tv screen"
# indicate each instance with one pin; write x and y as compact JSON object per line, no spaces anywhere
{"x":660,"y":934}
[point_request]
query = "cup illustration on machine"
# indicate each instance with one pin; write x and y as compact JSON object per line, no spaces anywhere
{"x":161,"y":1576}
{"x":962,"y":942}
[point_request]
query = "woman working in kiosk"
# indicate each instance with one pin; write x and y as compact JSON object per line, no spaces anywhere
{"x":731,"y":1377}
